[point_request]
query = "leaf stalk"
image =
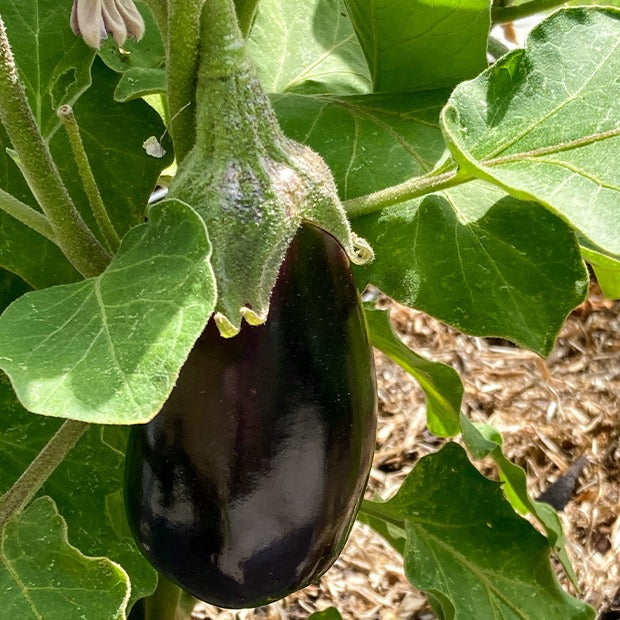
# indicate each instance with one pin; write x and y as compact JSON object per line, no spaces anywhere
{"x":66,"y":115}
{"x":26,"y":215}
{"x":40,"y":469}
{"x":408,"y":190}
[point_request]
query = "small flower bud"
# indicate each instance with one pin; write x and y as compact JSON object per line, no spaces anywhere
{"x":93,"y":20}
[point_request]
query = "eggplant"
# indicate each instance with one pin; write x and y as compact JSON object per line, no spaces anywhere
{"x":246,"y":484}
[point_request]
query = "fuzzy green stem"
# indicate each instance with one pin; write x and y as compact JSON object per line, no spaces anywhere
{"x":246,"y":11}
{"x":77,"y":242}
{"x":505,"y":14}
{"x":412,"y":188}
{"x":26,"y":215}
{"x":496,"y":48}
{"x":65,"y":114}
{"x":163,"y":604}
{"x":41,"y":468}
{"x":182,"y":65}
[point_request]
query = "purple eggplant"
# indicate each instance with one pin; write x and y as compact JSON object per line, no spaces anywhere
{"x":245,"y":486}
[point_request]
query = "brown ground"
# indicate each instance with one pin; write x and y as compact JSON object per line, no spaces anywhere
{"x":549,"y":412}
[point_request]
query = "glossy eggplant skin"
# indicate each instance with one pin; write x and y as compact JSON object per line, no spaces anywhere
{"x":245,"y":486}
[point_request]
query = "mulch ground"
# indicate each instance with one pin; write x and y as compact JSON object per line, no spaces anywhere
{"x":551,"y":414}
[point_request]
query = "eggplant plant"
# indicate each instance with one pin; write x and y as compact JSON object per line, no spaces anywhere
{"x":188,"y":397}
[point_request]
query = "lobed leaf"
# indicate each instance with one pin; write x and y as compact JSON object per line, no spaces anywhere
{"x":108,"y":349}
{"x":485,"y":262}
{"x":43,"y":576}
{"x":441,"y":383}
{"x":468,"y":548}
{"x":417,"y":45}
{"x":544,"y":122}
{"x":307,"y":47}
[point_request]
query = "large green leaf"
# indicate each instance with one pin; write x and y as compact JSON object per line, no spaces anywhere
{"x":483,"y":440}
{"x":307,"y":46}
{"x":480,"y":260}
{"x":109,"y":349}
{"x":441,"y":383}
{"x":468,"y":548}
{"x":87,"y":486}
{"x":419,"y":45}
{"x":43,"y":576}
{"x":53,"y":63}
{"x":544,"y":122}
{"x":113,"y":134}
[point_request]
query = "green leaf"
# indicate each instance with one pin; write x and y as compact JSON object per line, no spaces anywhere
{"x":418,"y":45}
{"x":109,"y":349}
{"x":485,"y":262}
{"x":469,"y":549}
{"x":307,"y":47}
{"x":113,"y":134}
{"x":369,"y":142}
{"x":543,"y":122}
{"x":43,"y":576}
{"x":483,"y":440}
{"x":23,"y":251}
{"x":331,"y":613}
{"x":53,"y":63}
{"x":607,"y":270}
{"x":87,"y":486}
{"x":441,"y":383}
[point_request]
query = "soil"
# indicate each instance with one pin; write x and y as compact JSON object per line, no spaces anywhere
{"x":552,"y":414}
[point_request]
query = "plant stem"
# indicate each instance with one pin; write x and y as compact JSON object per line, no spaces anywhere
{"x":412,"y":188}
{"x":26,"y":215}
{"x":74,"y":238}
{"x":65,"y":114}
{"x":246,"y":11}
{"x":163,"y":603}
{"x":505,"y":14}
{"x":496,"y":48}
{"x":28,"y":484}
{"x":182,"y":64}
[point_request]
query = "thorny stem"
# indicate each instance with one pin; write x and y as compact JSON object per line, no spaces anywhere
{"x":65,"y":114}
{"x":40,"y":469}
{"x":505,"y":14}
{"x":182,"y":64}
{"x":26,"y":215}
{"x":412,"y":188}
{"x":77,"y":242}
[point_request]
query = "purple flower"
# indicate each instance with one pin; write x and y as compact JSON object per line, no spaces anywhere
{"x":94,"y":19}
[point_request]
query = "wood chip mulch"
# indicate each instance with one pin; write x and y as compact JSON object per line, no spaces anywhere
{"x":551,"y":413}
